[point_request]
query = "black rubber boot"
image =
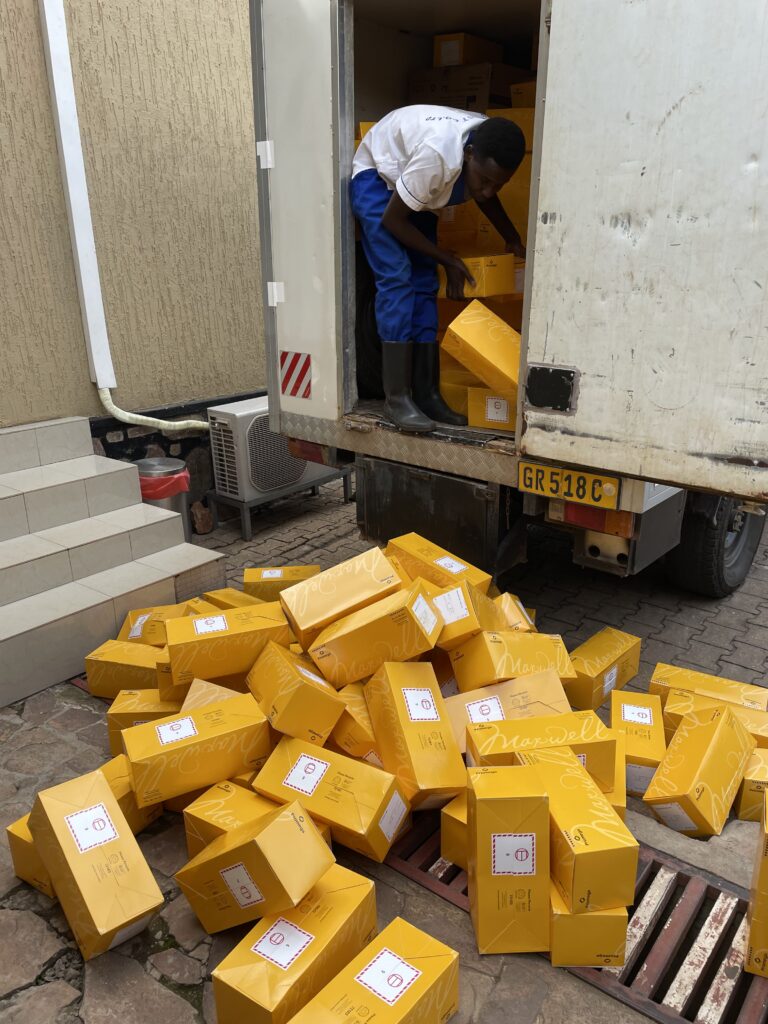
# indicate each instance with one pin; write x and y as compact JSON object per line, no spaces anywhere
{"x":397,"y":367}
{"x":426,"y":385}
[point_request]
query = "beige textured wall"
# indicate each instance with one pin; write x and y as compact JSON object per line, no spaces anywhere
{"x":164,"y":98}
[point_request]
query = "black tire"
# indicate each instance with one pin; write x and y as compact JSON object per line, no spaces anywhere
{"x":718,"y":542}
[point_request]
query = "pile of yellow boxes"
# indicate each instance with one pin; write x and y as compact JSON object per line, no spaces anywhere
{"x":323,"y":709}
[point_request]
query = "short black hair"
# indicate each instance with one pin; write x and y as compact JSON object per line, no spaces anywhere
{"x":501,"y":140}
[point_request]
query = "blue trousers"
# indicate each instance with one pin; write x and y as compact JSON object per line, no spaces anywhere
{"x":406,"y":281}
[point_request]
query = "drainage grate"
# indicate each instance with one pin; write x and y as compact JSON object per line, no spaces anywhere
{"x":685,"y":940}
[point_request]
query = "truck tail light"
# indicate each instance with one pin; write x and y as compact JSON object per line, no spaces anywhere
{"x":617,"y":524}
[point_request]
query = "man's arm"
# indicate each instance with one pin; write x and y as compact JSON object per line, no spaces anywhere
{"x":497,"y":215}
{"x":396,"y":221}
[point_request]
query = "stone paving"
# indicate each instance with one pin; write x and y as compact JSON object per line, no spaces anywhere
{"x":165,"y":972}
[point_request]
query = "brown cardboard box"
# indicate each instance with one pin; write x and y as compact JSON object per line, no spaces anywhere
{"x":458,"y":48}
{"x":540,"y":694}
{"x":264,"y":867}
{"x":468,"y":87}
{"x":317,"y":602}
{"x":396,"y":628}
{"x":414,"y":735}
{"x":104,"y":885}
{"x":365,"y":806}
{"x":285,"y":960}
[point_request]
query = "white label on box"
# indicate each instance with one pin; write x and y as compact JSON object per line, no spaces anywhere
{"x":446,"y":562}
{"x":242,"y":886}
{"x":420,"y":704}
{"x":639,"y":777}
{"x":172,"y":732}
{"x":424,"y":614}
{"x":609,"y":679}
{"x":675,"y":817}
{"x":283,"y":943}
{"x":488,"y":710}
{"x":583,"y":759}
{"x":373,"y":758}
{"x":306,"y":774}
{"x":637,"y":713}
{"x":91,"y":827}
{"x":130,"y":931}
{"x":513,"y":853}
{"x":452,"y":606}
{"x":138,"y":627}
{"x":272,"y":574}
{"x":497,"y":410}
{"x":315,"y":678}
{"x":211,"y":624}
{"x":388,"y":976}
{"x":393,"y":816}
{"x":450,"y":53}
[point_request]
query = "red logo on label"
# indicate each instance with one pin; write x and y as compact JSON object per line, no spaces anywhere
{"x":426,"y":704}
{"x":395,"y":980}
{"x":522,"y":855}
{"x":277,"y":939}
{"x":99,"y":824}
{"x":484,"y":709}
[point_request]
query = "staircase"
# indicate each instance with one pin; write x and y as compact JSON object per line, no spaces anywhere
{"x":78,"y":550}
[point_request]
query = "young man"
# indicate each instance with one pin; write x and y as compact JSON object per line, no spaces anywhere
{"x":411,"y":164}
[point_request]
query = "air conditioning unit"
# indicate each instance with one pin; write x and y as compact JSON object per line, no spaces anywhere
{"x":250,"y":462}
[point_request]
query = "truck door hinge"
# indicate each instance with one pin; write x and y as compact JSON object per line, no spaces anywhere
{"x":275,"y":292}
{"x":265,"y":151}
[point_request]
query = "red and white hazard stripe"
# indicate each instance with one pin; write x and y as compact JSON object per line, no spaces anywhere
{"x":296,"y":374}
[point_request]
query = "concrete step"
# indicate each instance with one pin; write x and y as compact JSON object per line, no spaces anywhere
{"x":44,"y":639}
{"x":42,"y":444}
{"x":36,"y":562}
{"x":36,"y":499}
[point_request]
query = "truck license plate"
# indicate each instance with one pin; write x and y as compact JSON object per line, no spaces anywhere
{"x":569,"y":485}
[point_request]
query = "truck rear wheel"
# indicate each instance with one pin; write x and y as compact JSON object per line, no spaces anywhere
{"x":718,"y":542}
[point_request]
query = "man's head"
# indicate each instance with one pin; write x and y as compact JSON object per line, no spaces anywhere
{"x":493,"y":156}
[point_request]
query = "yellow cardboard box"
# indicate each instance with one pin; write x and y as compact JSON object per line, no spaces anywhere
{"x":401,"y":626}
{"x":97,"y":870}
{"x":605,"y":662}
{"x":493,"y":657}
{"x":508,"y":859}
{"x":531,"y":696}
{"x":486,"y":345}
{"x":118,"y":665}
{"x":503,"y":743}
{"x":465,"y":611}
{"x":224,"y":807}
{"x":523,"y":118}
{"x":165,"y":685}
{"x":135,"y":707}
{"x":751,"y":796}
{"x":453,"y":831}
{"x":353,"y":734}
{"x":492,"y":410}
{"x":296,"y":700}
{"x":516,"y":616}
{"x":231,"y":597}
{"x":696,"y":783}
{"x":756,"y":953}
{"x":268,"y":583}
{"x":199,"y":606}
{"x":229,"y":642}
{"x":263,"y":867}
{"x":462,"y":48}
{"x":415,"y":738}
{"x":285,"y":960}
{"x":402,"y":977}
{"x":670,"y":677}
{"x":117,"y":772}
{"x":398,"y":567}
{"x":202,"y":693}
{"x":598,"y":939}
{"x":639,"y":717}
{"x":365,"y":806}
{"x":617,"y":797}
{"x":26,"y":861}
{"x":593,"y":854}
{"x":317,"y":602}
{"x":147,"y":625}
{"x":420,"y":557}
{"x":497,"y":273}
{"x":178,"y":755}
{"x":682,"y":702}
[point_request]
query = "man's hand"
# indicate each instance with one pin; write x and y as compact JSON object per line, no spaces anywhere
{"x":456,"y":272}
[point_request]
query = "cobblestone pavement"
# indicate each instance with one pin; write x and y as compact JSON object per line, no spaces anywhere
{"x":164,"y":973}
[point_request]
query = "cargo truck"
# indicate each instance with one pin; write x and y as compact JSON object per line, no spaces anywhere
{"x":641,"y":424}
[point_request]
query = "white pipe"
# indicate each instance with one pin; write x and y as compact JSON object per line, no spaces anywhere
{"x":59,"y":63}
